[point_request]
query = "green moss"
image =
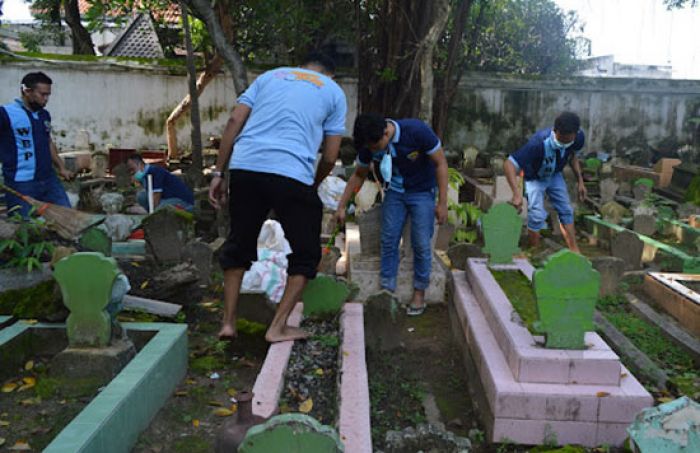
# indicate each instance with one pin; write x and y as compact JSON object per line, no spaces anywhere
{"x":46,"y":387}
{"x":38,"y":302}
{"x":692,"y":193}
{"x":206,"y":364}
{"x":250,"y":327}
{"x":192,"y":444}
{"x":153,"y":123}
{"x":519,"y":291}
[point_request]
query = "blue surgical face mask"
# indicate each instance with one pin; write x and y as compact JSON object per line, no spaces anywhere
{"x":139,"y":175}
{"x":385,"y":167}
{"x":559,"y":144}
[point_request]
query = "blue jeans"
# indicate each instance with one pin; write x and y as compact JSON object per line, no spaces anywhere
{"x":555,"y":188}
{"x":142,"y":198}
{"x":396,"y":207}
{"x":49,"y":190}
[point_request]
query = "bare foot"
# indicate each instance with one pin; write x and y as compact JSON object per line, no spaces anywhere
{"x":286,"y":334}
{"x":227,"y":332}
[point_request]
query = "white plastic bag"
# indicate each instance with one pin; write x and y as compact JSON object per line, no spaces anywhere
{"x":330,"y":190}
{"x":269,"y":272}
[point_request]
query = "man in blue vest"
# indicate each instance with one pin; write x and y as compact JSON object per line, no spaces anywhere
{"x":168,"y":189}
{"x":411,"y":166}
{"x":542,"y":160}
{"x":26,"y":149}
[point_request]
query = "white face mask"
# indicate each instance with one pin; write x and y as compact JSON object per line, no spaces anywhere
{"x":559,"y":144}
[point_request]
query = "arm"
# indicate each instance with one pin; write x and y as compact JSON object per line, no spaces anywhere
{"x":440,"y":162}
{"x":58,"y":162}
{"x":238,"y":118}
{"x":576,"y":167}
{"x":511,"y":176}
{"x":353,"y":186}
{"x":331,"y":148}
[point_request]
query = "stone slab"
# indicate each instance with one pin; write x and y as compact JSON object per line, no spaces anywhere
{"x":676,"y":299}
{"x":268,"y":385}
{"x":531,"y":413}
{"x":527,"y":359}
{"x":354,"y":411}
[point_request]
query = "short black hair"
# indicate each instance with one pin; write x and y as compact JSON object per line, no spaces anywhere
{"x":136,"y":158}
{"x":321,"y":59}
{"x":369,"y":128}
{"x":33,"y":78}
{"x":567,"y":123}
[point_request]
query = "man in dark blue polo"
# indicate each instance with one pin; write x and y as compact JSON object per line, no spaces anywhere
{"x":26,"y":149}
{"x":542,"y":160}
{"x":168,"y":189}
{"x":411,"y":166}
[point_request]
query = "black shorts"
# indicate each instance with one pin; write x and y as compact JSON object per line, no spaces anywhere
{"x":297,"y":207}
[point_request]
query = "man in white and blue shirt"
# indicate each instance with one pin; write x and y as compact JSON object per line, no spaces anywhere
{"x":27,"y":151}
{"x":412,"y":166}
{"x":275,"y":133}
{"x":541,"y":160}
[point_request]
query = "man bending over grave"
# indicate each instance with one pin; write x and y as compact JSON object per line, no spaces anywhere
{"x":542,"y":160}
{"x":168,"y":189}
{"x":274,"y":134}
{"x":411,"y":165}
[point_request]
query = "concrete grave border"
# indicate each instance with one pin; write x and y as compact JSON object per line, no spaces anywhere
{"x":353,"y":395}
{"x":528,"y":360}
{"x":128,"y":403}
{"x":676,"y":299}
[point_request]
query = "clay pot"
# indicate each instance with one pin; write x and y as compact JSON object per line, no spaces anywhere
{"x":234,"y":430}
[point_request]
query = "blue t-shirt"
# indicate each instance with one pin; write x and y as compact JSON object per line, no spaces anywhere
{"x":292,"y":110}
{"x":169,"y":185}
{"x":529,"y":158}
{"x":412,"y":144}
{"x":24,"y":143}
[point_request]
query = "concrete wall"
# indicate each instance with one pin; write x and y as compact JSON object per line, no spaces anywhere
{"x":497,"y":113}
{"x":127,"y":107}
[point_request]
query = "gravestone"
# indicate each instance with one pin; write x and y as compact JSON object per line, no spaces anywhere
{"x":324,"y":295}
{"x":166,"y":232}
{"x":291,"y":433}
{"x":96,"y":240}
{"x":625,"y":189}
{"x":613,"y":211}
{"x":202,"y":256}
{"x":610,"y":269}
{"x":627,"y":246}
{"x":608,"y":190}
{"x":502,"y":227}
{"x":459,"y":253}
{"x":329,"y":259}
{"x":645,"y":224}
{"x":382,"y":327}
{"x":668,"y":428}
{"x":111,"y":202}
{"x":370,"y":224}
{"x":566,"y":289}
{"x":640,"y":191}
{"x":122,"y":176}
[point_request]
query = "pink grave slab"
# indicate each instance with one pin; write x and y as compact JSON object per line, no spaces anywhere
{"x":528,"y":360}
{"x":537,"y":413}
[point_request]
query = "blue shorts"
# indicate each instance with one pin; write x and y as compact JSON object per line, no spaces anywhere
{"x":553,"y":187}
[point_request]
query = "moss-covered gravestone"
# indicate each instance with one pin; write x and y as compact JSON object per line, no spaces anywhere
{"x":566,"y":289}
{"x":86,"y":281}
{"x":502,"y":227}
{"x":291,"y":433}
{"x":96,"y":240}
{"x":324,"y":295}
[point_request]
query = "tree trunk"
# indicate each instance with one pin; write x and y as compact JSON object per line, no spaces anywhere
{"x":210,"y":72}
{"x":82,"y":41}
{"x":233,"y":60}
{"x":425,"y":57}
{"x":195,"y":169}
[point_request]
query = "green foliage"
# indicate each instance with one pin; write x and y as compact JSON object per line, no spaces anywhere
{"x":28,"y":248}
{"x":31,"y":41}
{"x":645,"y":181}
{"x":521,"y":295}
{"x":593,"y":164}
{"x":329,"y":341}
{"x":455,"y":178}
{"x":466,"y":216}
{"x":692,"y":194}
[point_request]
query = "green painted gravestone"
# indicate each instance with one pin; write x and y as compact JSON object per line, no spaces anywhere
{"x":502,"y":227}
{"x":324,"y":295}
{"x":566,"y":289}
{"x":291,"y":433}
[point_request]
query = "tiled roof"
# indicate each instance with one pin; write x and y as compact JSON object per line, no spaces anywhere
{"x":171,"y":15}
{"x":138,"y":39}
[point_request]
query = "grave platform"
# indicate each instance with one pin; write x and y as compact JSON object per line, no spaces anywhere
{"x":534,"y":395}
{"x":683,"y":303}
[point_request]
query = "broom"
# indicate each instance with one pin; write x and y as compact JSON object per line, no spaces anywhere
{"x":68,"y":223}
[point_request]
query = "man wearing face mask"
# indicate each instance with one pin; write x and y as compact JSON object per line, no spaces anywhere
{"x":168,"y":189}
{"x":412,"y":165}
{"x":27,"y":151}
{"x":542,"y":160}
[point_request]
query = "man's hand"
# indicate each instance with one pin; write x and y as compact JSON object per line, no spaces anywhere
{"x":441,"y":213}
{"x":66,"y":174}
{"x":582,"y":191}
{"x":217,"y":192}
{"x":340,"y":216}
{"x":517,"y":202}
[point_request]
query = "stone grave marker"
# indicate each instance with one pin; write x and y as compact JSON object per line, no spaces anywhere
{"x":382,"y":326}
{"x":202,"y":256}
{"x":611,"y":270}
{"x":323,"y":295}
{"x":86,"y":281}
{"x":645,"y":224}
{"x":166,"y":232}
{"x":291,"y":433}
{"x":121,"y":174}
{"x":629,"y":247}
{"x":608,"y":190}
{"x":96,"y":240}
{"x":640,"y":191}
{"x":502,"y":227}
{"x":566,"y":289}
{"x":668,"y":428}
{"x":613,"y":211}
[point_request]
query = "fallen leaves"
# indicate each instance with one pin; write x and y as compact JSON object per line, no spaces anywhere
{"x":195,"y":423}
{"x":223,"y":412}
{"x":20,"y":445}
{"x":664,"y":399}
{"x":181,"y":393}
{"x":9,"y":387}
{"x":602,"y":394}
{"x":306,"y":406}
{"x":2,"y":441}
{"x":29,"y":382}
{"x":29,"y":365}
{"x":4,"y":423}
{"x":144,"y":284}
{"x":319,"y":372}
{"x":232,"y":392}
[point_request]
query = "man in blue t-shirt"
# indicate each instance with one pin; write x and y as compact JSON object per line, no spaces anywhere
{"x":542,"y":160}
{"x":168,"y":189}
{"x":275,"y":133}
{"x":411,"y":165}
{"x":27,"y":151}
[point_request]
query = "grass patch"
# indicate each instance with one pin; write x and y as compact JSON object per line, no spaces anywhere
{"x":206,"y":364}
{"x":519,"y":291}
{"x":650,"y":339}
{"x":192,"y":444}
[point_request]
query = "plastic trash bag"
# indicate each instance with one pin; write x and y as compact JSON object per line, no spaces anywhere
{"x":269,"y":272}
{"x":330,"y":191}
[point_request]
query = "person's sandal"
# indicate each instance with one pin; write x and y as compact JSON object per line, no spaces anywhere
{"x":415,"y":311}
